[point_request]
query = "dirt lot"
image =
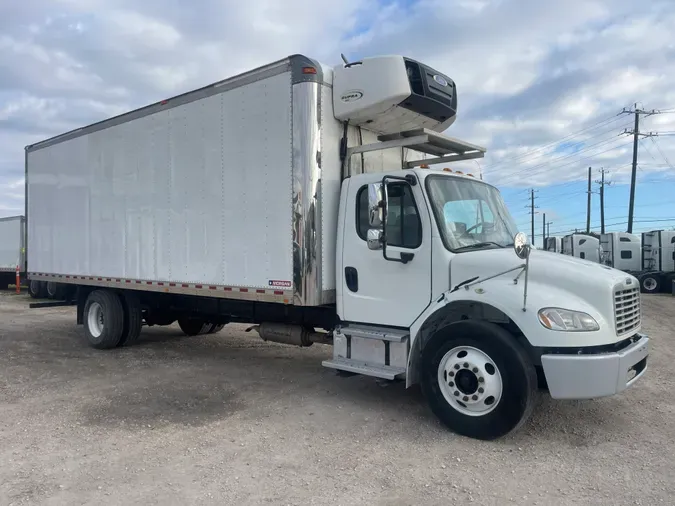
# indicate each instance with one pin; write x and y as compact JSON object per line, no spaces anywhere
{"x":229,"y":419}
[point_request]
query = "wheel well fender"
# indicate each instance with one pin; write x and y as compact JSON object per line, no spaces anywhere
{"x":453,"y":312}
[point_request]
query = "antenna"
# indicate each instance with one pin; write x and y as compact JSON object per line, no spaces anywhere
{"x":344,"y":59}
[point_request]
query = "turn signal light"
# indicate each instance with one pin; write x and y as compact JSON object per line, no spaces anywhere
{"x":308,"y":70}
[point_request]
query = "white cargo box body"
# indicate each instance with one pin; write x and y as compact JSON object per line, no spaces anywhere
{"x":231,"y":190}
{"x":12,"y":243}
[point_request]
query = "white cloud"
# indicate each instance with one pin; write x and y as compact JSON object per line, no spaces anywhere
{"x":528,"y":72}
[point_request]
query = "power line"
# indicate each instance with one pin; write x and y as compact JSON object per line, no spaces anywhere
{"x":552,"y":163}
{"x":617,"y":224}
{"x":661,"y":152}
{"x":611,"y":119}
{"x":579,"y":161}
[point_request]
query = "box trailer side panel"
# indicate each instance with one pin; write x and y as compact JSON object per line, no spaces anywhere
{"x":12,"y":247}
{"x":199,"y":193}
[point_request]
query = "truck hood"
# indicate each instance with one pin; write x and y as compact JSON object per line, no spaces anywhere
{"x":565,"y":272}
{"x":554,"y":280}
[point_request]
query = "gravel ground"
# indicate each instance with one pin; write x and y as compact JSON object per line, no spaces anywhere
{"x":229,"y":419}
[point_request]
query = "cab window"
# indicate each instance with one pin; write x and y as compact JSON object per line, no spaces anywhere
{"x":404,"y":228}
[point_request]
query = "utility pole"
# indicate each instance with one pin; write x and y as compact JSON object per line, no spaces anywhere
{"x":588,"y":204}
{"x":548,"y":228}
{"x":602,"y":184}
{"x":543,"y":232}
{"x":532,"y":212}
{"x":636,"y":136}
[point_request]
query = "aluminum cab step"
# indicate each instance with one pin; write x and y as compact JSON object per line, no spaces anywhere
{"x":355,"y":366}
{"x":372,"y":332}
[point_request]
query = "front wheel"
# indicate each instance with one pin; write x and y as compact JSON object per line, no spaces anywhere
{"x":478,"y":380}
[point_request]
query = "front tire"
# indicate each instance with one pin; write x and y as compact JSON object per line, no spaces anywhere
{"x":478,"y":380}
{"x":103,"y":319}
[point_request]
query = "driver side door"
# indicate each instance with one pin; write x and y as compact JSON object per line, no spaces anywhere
{"x":372,"y":289}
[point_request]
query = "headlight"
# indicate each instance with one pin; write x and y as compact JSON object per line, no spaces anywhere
{"x":554,"y":318}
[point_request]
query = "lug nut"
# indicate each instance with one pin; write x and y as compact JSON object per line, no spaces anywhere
{"x":475,"y":369}
{"x":466,"y":365}
{"x":456,"y":393}
{"x":466,"y":398}
{"x":474,"y":397}
{"x":451,"y":384}
{"x":481,"y":379}
{"x":481,"y":390}
{"x":451,"y":374}
{"x":456,"y":366}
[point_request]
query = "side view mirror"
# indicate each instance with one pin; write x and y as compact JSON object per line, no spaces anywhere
{"x":374,"y":239}
{"x":521,"y":246}
{"x":375,"y":209}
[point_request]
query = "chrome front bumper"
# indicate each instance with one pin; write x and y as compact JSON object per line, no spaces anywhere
{"x":595,"y":375}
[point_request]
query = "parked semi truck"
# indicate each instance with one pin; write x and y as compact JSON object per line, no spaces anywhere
{"x":12,"y":250}
{"x":658,"y":261}
{"x":297,"y":198}
{"x":582,"y":246}
{"x":553,"y":244}
{"x":649,"y":257}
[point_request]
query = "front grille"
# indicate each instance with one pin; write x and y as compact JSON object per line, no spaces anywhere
{"x":626,"y":310}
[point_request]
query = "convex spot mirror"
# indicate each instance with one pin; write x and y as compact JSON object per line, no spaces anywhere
{"x":520,"y":245}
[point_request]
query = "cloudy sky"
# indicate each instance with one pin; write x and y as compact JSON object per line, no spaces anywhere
{"x":540,"y":83}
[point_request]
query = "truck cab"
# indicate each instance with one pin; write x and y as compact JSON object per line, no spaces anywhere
{"x":436,"y":285}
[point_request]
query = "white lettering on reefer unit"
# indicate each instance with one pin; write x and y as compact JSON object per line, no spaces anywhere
{"x":280,"y":284}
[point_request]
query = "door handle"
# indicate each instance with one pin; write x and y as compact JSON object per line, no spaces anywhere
{"x":352,"y":279}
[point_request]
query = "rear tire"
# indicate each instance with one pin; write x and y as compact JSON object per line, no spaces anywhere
{"x":56,"y":291}
{"x":193,"y":326}
{"x":650,"y":282}
{"x":496,"y":390}
{"x":103,"y":319}
{"x":133,"y":318}
{"x":37,"y":289}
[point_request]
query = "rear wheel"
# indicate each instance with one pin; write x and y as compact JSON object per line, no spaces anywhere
{"x":37,"y":289}
{"x":56,"y":291}
{"x":103,"y":319}
{"x":133,"y":319}
{"x":669,"y":286}
{"x":478,"y":380}
{"x":650,"y":282}
{"x":193,"y":326}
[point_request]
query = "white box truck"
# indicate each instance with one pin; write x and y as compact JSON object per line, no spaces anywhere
{"x":297,"y":197}
{"x":12,"y":250}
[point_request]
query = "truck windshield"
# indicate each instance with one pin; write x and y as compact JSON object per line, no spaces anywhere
{"x":470,"y":215}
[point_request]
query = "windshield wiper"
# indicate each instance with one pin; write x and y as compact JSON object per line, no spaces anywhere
{"x":479,"y":245}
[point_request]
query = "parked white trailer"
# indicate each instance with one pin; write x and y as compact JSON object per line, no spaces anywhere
{"x":553,"y":244}
{"x":582,"y":246}
{"x":294,"y":197}
{"x":658,"y":261}
{"x":12,"y":249}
